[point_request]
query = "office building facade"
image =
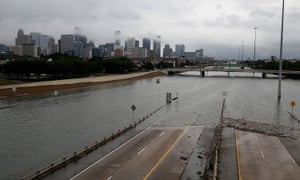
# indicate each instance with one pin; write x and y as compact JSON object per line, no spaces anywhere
{"x":67,"y":44}
{"x":157,"y":46}
{"x":147,"y":43}
{"x":179,"y":50}
{"x":168,"y":51}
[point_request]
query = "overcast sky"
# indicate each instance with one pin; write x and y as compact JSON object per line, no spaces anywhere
{"x":217,"y":26}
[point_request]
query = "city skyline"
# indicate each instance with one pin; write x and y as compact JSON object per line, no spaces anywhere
{"x":217,"y":27}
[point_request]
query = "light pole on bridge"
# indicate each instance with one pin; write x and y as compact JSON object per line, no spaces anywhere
{"x":281,"y":49}
{"x":254,"y":48}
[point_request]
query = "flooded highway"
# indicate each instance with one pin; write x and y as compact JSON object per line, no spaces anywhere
{"x":38,"y":129}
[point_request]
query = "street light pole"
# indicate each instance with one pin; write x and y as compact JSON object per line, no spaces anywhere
{"x":242,"y":50}
{"x":280,"y":58}
{"x":254,"y":49}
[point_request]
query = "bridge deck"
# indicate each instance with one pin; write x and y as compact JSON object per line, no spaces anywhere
{"x":233,"y":70}
{"x":264,"y":157}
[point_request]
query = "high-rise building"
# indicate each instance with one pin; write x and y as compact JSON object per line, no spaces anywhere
{"x":82,"y":39}
{"x":157,"y":46}
{"x":3,"y":49}
{"x":118,"y":38}
{"x":52,"y":47}
{"x":191,"y":56}
{"x":67,"y":44}
{"x":137,"y":43}
{"x":30,"y":50}
{"x":199,"y":54}
{"x":179,"y":50}
{"x":35,"y":38}
{"x":96,"y":52}
{"x":147,"y":43}
{"x":75,"y":44}
{"x":22,"y":38}
{"x":108,"y":49}
{"x":118,"y":49}
{"x":118,"y":52}
{"x":138,"y":52}
{"x":45,"y":42}
{"x":17,"y":50}
{"x":167,"y":52}
{"x":99,"y":52}
{"x":130,"y":44}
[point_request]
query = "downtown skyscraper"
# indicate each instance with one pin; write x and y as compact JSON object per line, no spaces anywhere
{"x":157,"y":46}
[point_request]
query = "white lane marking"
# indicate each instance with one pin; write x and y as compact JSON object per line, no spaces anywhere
{"x":140,"y":151}
{"x":162,"y":133}
{"x":263,"y":155}
{"x":109,"y":178}
{"x":72,"y":178}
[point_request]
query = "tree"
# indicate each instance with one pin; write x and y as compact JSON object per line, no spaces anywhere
{"x":148,"y":66}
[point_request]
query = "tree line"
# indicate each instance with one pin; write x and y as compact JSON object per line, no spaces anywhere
{"x":61,"y":66}
{"x":274,"y":65}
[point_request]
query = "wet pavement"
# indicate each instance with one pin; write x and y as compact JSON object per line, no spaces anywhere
{"x":187,"y":153}
{"x":153,"y":154}
{"x":264,"y":157}
{"x":252,"y":150}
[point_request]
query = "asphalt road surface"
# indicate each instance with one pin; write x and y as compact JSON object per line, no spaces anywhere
{"x":262,"y":157}
{"x":156,"y":153}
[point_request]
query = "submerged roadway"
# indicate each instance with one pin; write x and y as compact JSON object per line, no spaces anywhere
{"x":163,"y":153}
{"x":156,"y":153}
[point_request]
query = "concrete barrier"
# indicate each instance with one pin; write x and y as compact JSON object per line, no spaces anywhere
{"x":218,"y":137}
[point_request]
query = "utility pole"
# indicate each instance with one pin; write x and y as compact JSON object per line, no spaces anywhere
{"x":280,"y":58}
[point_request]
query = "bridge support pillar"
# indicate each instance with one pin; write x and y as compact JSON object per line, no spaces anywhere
{"x":263,"y":75}
{"x":202,"y":73}
{"x":171,"y":73}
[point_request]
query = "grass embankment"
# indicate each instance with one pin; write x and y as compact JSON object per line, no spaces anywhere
{"x":8,"y":82}
{"x":48,"y":86}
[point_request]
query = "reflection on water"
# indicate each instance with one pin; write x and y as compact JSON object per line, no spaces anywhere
{"x":41,"y":128}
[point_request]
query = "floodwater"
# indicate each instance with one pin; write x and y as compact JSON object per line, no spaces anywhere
{"x":39,"y":129}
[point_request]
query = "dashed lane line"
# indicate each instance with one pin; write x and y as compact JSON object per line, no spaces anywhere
{"x":166,"y":153}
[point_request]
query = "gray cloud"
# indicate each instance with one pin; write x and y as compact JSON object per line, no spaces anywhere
{"x":219,"y":6}
{"x":213,"y":25}
{"x":230,"y":21}
{"x":125,"y":15}
{"x":264,"y":13}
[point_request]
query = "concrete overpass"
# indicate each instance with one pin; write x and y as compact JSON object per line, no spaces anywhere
{"x":202,"y":70}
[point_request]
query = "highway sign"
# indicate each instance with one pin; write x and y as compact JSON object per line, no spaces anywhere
{"x":133,"y":108}
{"x":292,"y":103}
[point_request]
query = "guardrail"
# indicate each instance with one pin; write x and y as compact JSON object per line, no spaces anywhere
{"x":76,"y":155}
